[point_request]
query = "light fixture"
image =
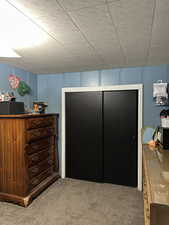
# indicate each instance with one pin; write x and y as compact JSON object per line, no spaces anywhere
{"x":17,"y":29}
{"x":7,"y":51}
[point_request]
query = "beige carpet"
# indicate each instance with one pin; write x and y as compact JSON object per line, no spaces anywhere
{"x":75,"y":202}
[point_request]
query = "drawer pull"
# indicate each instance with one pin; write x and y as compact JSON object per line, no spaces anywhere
{"x":35,"y":147}
{"x":35,"y":158}
{"x":40,"y":122}
{"x":39,"y":133}
{"x":34,"y":170}
{"x":35,"y":181}
{"x":39,"y":145}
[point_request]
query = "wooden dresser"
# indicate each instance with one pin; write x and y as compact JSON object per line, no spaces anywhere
{"x":156,"y":186}
{"x":28,"y":156}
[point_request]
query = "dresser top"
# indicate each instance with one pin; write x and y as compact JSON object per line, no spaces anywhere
{"x":156,"y":164}
{"x":26,"y":115}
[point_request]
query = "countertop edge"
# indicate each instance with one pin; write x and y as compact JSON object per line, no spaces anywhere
{"x":27,"y":115}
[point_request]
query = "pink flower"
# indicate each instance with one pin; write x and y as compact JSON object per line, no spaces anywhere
{"x":14,"y":81}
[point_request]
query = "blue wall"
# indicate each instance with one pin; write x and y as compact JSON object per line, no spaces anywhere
{"x":49,"y":86}
{"x":29,"y":78}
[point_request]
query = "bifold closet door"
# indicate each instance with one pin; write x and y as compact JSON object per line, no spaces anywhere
{"x":120,"y":137}
{"x":84,"y":155}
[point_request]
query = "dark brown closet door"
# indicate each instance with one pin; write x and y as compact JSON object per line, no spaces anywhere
{"x":84,"y":155}
{"x":120,"y":137}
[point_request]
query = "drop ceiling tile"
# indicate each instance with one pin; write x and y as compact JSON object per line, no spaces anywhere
{"x":110,"y":51}
{"x":49,"y":47}
{"x":80,"y":49}
{"x":130,"y":19}
{"x":55,"y":59}
{"x":115,"y":2}
{"x":136,"y":52}
{"x":61,"y":28}
{"x":133,"y":4}
{"x":78,"y":4}
{"x":159,"y":54}
{"x":84,"y":37}
{"x":58,"y":23}
{"x":84,"y":51}
{"x":47,"y":59}
{"x":73,"y":68}
{"x":159,"y":51}
{"x":99,"y":34}
{"x":85,"y":61}
{"x":52,"y":19}
{"x":35,"y":9}
{"x":104,"y":38}
{"x":134,"y":34}
{"x":94,"y":22}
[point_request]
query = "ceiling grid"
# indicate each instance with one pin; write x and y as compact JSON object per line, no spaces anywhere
{"x":116,"y":30}
{"x":150,"y":39}
{"x":93,"y":34}
{"x":92,"y":47}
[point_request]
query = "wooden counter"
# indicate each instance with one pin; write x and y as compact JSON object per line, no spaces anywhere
{"x":156,"y":186}
{"x":27,"y":115}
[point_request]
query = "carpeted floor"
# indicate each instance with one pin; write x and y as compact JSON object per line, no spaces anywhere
{"x":75,"y":202}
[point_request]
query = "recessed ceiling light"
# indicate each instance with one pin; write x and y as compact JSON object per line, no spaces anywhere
{"x":7,"y":51}
{"x":17,"y":29}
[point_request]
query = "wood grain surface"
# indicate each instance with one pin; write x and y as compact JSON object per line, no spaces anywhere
{"x":28,"y":154}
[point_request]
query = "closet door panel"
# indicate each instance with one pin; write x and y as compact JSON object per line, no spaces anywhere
{"x":120,"y":137}
{"x":84,"y":155}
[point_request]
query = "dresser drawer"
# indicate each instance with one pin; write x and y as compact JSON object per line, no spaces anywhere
{"x":37,"y":169}
{"x":33,"y":123}
{"x":35,"y":158}
{"x":39,"y":145}
{"x":42,"y":176}
{"x":35,"y":134}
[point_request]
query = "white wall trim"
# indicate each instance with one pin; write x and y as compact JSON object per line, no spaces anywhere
{"x":138,"y":87}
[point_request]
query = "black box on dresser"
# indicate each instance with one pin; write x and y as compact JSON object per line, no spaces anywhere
{"x":9,"y":108}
